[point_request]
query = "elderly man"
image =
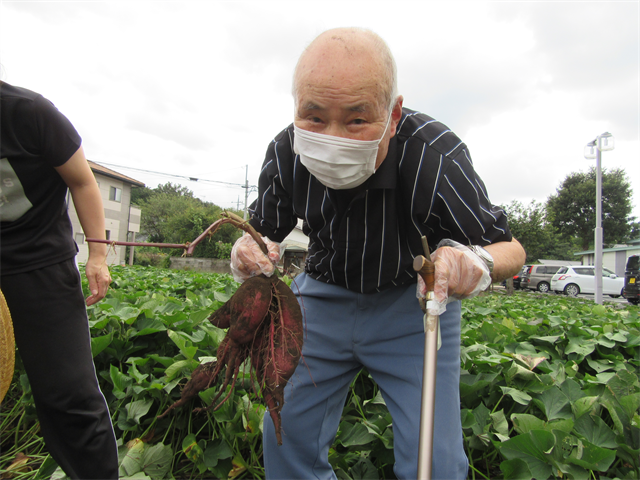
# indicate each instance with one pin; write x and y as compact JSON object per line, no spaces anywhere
{"x":369,"y":179}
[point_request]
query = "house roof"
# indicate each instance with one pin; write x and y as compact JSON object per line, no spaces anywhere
{"x":558,"y":263}
{"x":634,"y":246}
{"x":113,"y":174}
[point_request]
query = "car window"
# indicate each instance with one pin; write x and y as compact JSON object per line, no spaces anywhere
{"x":552,"y":269}
{"x":583,"y":271}
{"x":633,"y":263}
{"x":607,"y":272}
{"x":563,"y":270}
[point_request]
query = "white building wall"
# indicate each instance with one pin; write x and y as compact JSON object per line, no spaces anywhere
{"x":117,"y":215}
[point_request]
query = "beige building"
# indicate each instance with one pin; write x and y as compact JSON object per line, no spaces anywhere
{"x":615,"y":259}
{"x":122,"y":221}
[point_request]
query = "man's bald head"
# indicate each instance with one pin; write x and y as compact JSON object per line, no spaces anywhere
{"x":343,"y":53}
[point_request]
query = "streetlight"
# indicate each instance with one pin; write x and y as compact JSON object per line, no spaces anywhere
{"x":602,"y":143}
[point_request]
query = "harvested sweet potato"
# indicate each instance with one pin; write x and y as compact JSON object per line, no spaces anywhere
{"x":249,"y":309}
{"x":264,"y":324}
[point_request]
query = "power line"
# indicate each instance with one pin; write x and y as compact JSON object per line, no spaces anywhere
{"x":193,"y":179}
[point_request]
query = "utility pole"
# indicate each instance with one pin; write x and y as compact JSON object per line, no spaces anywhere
{"x":246,"y":191}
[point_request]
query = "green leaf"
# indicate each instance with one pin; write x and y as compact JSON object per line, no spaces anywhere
{"x":580,"y":345}
{"x":137,"y":409}
{"x":221,"y":297}
{"x":600,"y":365}
{"x":132,"y":461}
{"x":191,"y":448}
{"x":584,"y":405}
{"x":184,"y":345}
{"x":533,"y":448}
{"x":98,"y":344}
{"x":157,"y":460}
{"x":589,"y":456}
{"x":518,"y":396}
{"x":630,"y":404}
{"x":596,"y":431}
{"x":377,"y":400}
{"x":623,"y":383}
{"x":126,"y":314}
{"x":500,"y":424}
{"x":136,"y":375}
{"x":354,"y":434}
{"x":516,"y":469}
{"x":58,"y":474}
{"x":147,"y":326}
{"x":554,"y":403}
{"x":196,"y":317}
{"x":524,"y":422}
{"x":364,"y":470}
{"x":216,"y":451}
{"x":175,"y":367}
{"x":120,"y":382}
{"x":47,"y":468}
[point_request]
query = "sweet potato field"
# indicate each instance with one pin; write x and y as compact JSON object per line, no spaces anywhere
{"x":550,"y":389}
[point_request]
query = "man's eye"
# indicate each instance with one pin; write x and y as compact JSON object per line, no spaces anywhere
{"x":358,"y":121}
{"x":315,"y":119}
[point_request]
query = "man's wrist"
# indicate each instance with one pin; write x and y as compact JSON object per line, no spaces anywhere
{"x":484,"y":255}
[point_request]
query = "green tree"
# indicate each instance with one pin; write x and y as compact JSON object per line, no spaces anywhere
{"x":529,"y":225}
{"x":140,"y":194}
{"x":171,"y":214}
{"x":572,"y":209}
{"x":634,"y":231}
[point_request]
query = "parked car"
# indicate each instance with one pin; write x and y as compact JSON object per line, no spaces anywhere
{"x":632,"y":279}
{"x":517,"y":278}
{"x":538,"y":277}
{"x":581,"y":279}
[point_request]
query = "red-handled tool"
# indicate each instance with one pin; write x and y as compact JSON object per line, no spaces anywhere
{"x":426,"y":269}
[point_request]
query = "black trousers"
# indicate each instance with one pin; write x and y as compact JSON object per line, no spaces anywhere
{"x":52,"y":335}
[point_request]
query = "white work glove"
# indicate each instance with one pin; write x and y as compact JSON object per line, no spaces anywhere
{"x":459,"y":274}
{"x":247,"y":260}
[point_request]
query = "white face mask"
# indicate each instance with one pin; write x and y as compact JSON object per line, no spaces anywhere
{"x":338,"y":162}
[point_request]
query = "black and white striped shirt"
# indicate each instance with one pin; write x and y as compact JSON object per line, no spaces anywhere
{"x":365,"y":239}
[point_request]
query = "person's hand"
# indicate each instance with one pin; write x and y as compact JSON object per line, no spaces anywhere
{"x":247,"y":260}
{"x":459,"y":274}
{"x":99,"y":279}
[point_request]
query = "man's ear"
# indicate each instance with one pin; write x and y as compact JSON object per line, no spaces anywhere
{"x":396,"y":115}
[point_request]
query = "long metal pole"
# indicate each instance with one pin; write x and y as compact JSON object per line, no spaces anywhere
{"x":246,"y":191}
{"x":428,"y":407}
{"x":598,"y":231}
{"x":426,"y":269}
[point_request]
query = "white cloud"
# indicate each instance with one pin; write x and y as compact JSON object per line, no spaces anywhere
{"x":200,"y":88}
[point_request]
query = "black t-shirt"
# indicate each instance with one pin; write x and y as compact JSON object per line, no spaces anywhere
{"x":35,"y":230}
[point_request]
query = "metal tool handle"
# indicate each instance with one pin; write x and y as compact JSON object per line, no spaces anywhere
{"x":426,"y":269}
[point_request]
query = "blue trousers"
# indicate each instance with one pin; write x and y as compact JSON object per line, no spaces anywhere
{"x":383,"y":332}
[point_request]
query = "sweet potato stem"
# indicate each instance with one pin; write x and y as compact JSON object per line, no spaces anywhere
{"x":189,"y":247}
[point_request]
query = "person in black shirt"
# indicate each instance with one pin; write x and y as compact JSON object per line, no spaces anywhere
{"x":369,"y":178}
{"x":41,"y":159}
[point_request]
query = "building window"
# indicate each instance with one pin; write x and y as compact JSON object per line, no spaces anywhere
{"x":80,"y":238}
{"x":107,"y":234}
{"x":115,"y":194}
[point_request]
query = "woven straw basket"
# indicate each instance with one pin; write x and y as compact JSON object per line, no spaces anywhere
{"x":7,"y":348}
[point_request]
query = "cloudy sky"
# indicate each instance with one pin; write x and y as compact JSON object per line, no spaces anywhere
{"x":198,"y":89}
